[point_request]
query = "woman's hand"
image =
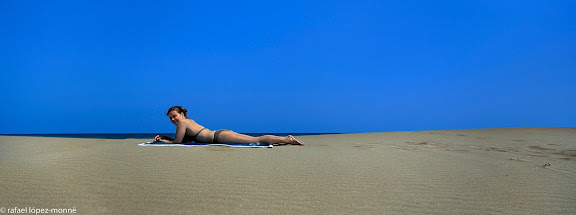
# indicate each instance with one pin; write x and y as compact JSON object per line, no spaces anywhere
{"x":157,"y":138}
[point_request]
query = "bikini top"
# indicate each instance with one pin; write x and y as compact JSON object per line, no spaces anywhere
{"x":188,"y":138}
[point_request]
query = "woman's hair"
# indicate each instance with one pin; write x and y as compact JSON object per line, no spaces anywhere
{"x":178,"y":109}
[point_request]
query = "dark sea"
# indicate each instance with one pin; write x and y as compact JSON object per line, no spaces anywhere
{"x":143,"y":135}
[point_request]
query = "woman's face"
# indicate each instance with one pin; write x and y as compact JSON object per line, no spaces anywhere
{"x":175,"y":117}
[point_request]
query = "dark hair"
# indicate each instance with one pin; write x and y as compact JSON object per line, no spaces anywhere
{"x":178,"y":109}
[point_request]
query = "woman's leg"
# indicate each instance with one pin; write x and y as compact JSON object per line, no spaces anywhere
{"x":271,"y":139}
{"x":233,"y":137}
{"x":228,"y":136}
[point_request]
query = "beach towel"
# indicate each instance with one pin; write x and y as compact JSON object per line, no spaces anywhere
{"x":193,"y":144}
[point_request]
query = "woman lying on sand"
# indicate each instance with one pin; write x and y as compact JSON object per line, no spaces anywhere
{"x":188,"y":130}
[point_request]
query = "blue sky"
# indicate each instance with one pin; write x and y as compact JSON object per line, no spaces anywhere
{"x":286,"y":66}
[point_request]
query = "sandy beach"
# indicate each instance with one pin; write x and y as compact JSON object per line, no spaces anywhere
{"x":476,"y":171}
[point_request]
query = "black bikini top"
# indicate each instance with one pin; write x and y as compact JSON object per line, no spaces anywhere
{"x":188,"y":138}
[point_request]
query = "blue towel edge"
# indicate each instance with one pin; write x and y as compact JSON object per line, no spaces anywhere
{"x":260,"y":145}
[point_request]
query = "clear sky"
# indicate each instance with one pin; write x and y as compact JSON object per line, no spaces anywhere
{"x":286,"y":66}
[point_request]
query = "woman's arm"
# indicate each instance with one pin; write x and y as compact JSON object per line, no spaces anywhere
{"x":164,"y":139}
{"x":180,"y":132}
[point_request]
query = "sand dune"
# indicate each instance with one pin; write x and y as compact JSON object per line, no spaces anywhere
{"x":479,"y":171}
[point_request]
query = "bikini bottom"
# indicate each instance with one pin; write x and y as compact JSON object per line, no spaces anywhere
{"x":216,"y":133}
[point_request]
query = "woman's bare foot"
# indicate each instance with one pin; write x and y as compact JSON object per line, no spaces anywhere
{"x":292,"y":140}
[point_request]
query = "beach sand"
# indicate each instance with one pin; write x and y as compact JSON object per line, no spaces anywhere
{"x":477,"y":171}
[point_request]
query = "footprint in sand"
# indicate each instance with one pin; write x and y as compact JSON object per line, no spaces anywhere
{"x":566,"y":154}
{"x":538,"y":151}
{"x":544,"y":165}
{"x":428,"y":144}
{"x":363,"y":146}
{"x":541,"y":148}
{"x":518,"y":159}
{"x":549,"y":152}
{"x":417,"y":143}
{"x":496,"y":149}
